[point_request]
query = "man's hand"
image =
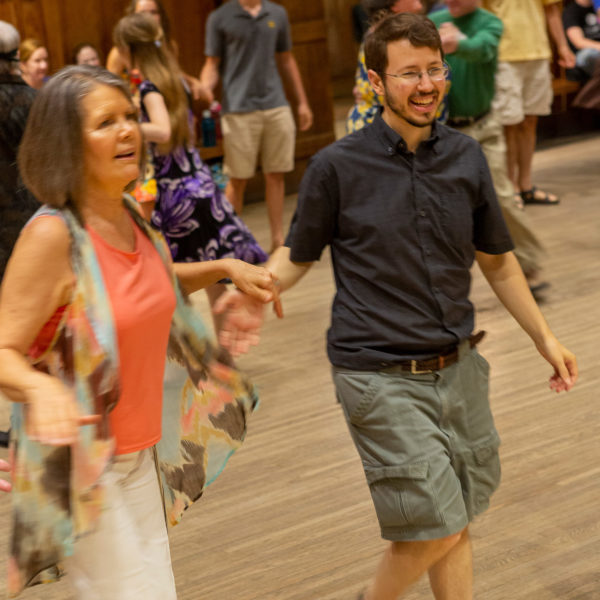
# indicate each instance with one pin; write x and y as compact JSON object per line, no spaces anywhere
{"x":566,"y":58}
{"x":244,"y":317}
{"x":305,"y":117}
{"x":450,"y":36}
{"x":564,"y":363}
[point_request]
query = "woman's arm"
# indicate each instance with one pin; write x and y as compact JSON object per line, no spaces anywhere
{"x":38,"y":280}
{"x":158,"y":129}
{"x":255,"y":281}
{"x":115,"y":63}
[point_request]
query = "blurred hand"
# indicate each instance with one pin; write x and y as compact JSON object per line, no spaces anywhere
{"x":566,"y":58}
{"x":243,"y":318}
{"x":5,"y":486}
{"x":200,"y":91}
{"x":450,"y":36}
{"x":52,"y":416}
{"x":305,"y":117}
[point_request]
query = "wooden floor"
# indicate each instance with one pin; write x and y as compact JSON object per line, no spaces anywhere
{"x":291,"y":517}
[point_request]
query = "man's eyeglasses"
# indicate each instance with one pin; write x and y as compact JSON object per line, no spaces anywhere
{"x":435,"y":74}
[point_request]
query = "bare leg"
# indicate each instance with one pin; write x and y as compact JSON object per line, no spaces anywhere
{"x":274,"y":195}
{"x":213,"y":292}
{"x":526,"y":147}
{"x":235,"y":193}
{"x":526,"y":135}
{"x":451,"y":578}
{"x":404,"y":562}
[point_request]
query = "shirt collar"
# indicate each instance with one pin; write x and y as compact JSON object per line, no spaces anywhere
{"x":264,"y":10}
{"x":394,"y":143}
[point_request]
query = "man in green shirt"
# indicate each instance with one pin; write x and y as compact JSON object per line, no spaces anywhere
{"x":470,"y":38}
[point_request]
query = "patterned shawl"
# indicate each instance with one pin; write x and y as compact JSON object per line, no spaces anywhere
{"x":57,"y":496}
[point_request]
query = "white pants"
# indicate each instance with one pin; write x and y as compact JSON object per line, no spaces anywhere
{"x":128,"y":556}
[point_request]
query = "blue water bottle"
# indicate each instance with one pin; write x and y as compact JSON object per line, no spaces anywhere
{"x":209,"y":130}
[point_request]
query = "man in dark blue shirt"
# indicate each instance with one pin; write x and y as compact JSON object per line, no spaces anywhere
{"x":406,"y":206}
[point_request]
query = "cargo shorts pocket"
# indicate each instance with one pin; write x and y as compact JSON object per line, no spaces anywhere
{"x":403,"y":496}
{"x":484,"y":472}
{"x":356,"y":392}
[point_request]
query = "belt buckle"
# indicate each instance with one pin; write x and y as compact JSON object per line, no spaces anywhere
{"x":415,"y":371}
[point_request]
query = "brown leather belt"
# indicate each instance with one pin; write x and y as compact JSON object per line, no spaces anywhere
{"x":436,"y":363}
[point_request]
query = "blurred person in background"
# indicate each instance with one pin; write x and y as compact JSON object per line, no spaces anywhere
{"x":156,"y":10}
{"x":86,"y":54}
{"x":34,"y":62}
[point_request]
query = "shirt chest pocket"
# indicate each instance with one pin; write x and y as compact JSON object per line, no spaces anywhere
{"x":455,"y":218}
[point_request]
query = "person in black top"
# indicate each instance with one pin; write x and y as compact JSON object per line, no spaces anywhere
{"x":582,"y":28}
{"x":406,"y":205}
{"x":17,"y":204}
{"x":16,"y":97}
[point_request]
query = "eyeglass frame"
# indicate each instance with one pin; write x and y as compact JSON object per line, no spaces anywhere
{"x":445,"y":68}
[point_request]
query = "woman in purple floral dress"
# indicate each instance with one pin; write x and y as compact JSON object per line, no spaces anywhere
{"x":191,"y":211}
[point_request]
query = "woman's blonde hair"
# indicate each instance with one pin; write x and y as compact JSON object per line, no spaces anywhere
{"x":28,"y":47}
{"x":143,"y":38}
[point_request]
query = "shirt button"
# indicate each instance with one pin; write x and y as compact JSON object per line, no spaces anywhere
{"x":423,"y":213}
{"x":390,"y":150}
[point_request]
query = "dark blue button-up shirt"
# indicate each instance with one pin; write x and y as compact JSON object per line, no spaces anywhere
{"x":403,"y":230}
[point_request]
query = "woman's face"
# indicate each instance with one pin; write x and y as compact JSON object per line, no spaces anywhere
{"x":407,"y":6}
{"x":88,"y":56}
{"x":150,"y":8}
{"x":35,"y":69}
{"x":111,"y":140}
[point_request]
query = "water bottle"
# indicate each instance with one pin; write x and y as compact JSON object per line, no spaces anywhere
{"x":209,"y":131}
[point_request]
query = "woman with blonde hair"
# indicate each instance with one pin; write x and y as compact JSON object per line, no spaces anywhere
{"x":34,"y":62}
{"x":191,"y":211}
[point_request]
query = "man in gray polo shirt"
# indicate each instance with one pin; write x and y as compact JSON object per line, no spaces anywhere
{"x":248,"y":43}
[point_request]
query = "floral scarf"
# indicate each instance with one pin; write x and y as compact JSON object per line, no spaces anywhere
{"x":57,"y":496}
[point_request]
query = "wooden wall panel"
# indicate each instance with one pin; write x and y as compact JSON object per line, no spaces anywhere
{"x":343,"y":48}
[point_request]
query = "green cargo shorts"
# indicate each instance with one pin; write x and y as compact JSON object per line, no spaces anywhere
{"x":427,"y":442}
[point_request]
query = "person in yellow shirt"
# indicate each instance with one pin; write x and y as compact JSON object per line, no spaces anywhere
{"x":524,"y":82}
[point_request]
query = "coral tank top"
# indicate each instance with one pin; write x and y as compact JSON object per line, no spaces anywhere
{"x":143,"y":302}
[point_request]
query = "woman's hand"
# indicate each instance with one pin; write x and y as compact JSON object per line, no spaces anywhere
{"x":257,"y":282}
{"x":52,"y":416}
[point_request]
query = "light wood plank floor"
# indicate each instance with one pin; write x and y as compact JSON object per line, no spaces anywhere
{"x":291,"y":517}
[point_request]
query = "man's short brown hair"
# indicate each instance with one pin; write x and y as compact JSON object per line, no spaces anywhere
{"x":417,"y":29}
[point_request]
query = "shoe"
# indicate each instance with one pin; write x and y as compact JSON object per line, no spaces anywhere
{"x":535,"y":196}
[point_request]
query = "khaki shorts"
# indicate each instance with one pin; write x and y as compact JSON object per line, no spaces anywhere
{"x":427,"y":442}
{"x":522,"y":88}
{"x":270,"y":133}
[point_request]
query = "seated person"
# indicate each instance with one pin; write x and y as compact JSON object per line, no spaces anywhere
{"x":583,"y":34}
